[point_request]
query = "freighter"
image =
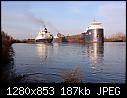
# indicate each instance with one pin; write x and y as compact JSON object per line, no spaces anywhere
{"x":44,"y":36}
{"x":94,"y":33}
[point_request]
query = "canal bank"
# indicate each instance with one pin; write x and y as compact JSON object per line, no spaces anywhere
{"x":79,"y":38}
{"x":7,"y":41}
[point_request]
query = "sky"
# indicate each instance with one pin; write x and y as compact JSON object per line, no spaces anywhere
{"x":23,"y":19}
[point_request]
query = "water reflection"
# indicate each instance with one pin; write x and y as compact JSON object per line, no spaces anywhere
{"x":42,"y":51}
{"x":95,"y":53}
{"x":56,"y":47}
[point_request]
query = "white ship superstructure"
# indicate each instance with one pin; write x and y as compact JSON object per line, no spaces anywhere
{"x":94,"y":32}
{"x":44,"y":36}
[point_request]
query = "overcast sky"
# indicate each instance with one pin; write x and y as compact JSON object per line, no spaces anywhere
{"x":23,"y":19}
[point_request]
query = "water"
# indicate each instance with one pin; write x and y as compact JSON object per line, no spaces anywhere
{"x":92,"y":63}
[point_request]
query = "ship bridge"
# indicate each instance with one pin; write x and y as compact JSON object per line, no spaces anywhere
{"x":94,"y":32}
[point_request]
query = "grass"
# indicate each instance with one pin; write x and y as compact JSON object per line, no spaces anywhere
{"x":72,"y":76}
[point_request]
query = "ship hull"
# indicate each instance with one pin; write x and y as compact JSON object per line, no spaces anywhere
{"x":94,"y":35}
{"x":44,"y":40}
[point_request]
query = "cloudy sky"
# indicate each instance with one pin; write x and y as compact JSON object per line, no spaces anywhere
{"x":23,"y":19}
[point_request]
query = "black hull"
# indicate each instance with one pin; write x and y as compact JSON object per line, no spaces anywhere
{"x":95,"y":36}
{"x":45,"y":40}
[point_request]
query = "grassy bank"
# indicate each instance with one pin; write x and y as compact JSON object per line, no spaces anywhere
{"x":6,"y":43}
{"x":118,"y":37}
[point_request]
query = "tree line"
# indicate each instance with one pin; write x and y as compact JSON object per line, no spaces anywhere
{"x":118,"y":37}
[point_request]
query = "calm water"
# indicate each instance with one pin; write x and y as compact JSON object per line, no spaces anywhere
{"x":48,"y":63}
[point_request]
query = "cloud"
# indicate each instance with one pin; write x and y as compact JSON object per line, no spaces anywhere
{"x":113,"y":17}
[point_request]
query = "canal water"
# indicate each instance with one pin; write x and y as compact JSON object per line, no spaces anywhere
{"x":58,"y":62}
